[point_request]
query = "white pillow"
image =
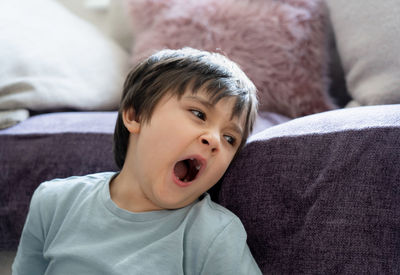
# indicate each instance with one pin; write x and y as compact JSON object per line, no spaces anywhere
{"x":109,"y":16}
{"x":368,"y":38}
{"x":51,"y":59}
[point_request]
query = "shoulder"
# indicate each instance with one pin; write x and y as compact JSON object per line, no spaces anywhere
{"x":215,"y":219}
{"x":53,"y":199}
{"x":74,"y":182}
{"x":218,"y":240}
{"x":57,"y":191}
{"x":214,"y":210}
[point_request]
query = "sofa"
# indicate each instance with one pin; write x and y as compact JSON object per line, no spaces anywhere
{"x":317,"y":193}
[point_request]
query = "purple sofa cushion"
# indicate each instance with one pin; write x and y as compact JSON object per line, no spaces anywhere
{"x":321,"y":194}
{"x":45,"y":147}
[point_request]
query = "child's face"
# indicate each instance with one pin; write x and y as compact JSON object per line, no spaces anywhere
{"x":183,"y":150}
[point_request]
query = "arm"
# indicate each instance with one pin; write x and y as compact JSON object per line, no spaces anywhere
{"x":229,"y":253}
{"x":29,"y":258}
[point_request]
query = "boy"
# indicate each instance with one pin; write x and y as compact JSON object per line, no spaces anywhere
{"x":184,"y":115}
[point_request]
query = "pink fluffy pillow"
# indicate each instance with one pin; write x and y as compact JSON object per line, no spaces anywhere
{"x":281,"y":45}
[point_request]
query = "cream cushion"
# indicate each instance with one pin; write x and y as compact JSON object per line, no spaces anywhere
{"x":51,"y":59}
{"x":368,"y":39}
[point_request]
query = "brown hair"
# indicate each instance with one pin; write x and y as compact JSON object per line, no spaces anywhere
{"x":173,"y":72}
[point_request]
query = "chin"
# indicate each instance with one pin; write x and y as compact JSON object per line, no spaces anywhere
{"x":177,"y":205}
{"x":173,"y":202}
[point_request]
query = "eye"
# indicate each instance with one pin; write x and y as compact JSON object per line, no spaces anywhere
{"x":199,"y":114}
{"x":230,"y":140}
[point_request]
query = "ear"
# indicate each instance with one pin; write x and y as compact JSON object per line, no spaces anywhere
{"x":130,"y":121}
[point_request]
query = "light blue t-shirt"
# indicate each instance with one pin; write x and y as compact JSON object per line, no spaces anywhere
{"x":73,"y":227}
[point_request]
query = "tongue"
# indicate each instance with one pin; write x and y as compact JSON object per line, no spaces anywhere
{"x":181,"y":170}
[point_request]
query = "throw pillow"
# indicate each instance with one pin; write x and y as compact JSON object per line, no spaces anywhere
{"x":368,"y":38}
{"x":50,"y":59}
{"x":280,"y":45}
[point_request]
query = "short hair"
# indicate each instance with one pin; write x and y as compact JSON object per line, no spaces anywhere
{"x":173,"y":72}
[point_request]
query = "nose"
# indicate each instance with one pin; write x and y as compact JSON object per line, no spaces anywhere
{"x":211,"y":141}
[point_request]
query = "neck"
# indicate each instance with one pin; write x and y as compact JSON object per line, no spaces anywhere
{"x":127,"y":194}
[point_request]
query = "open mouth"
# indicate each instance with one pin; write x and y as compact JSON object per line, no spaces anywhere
{"x":187,"y":170}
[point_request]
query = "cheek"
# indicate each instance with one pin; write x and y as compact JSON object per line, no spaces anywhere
{"x":220,"y":166}
{"x":156,"y":135}
{"x":160,"y":144}
{"x":225,"y":166}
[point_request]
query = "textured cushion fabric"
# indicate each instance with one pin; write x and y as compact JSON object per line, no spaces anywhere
{"x":44,"y":147}
{"x":266,"y":120}
{"x":281,"y":46}
{"x":321,"y":194}
{"x":368,"y":39}
{"x":51,"y":59}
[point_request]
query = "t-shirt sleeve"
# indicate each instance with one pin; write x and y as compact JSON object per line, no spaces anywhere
{"x":29,"y":258}
{"x":229,"y":253}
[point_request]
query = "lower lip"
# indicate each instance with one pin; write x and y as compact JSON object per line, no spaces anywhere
{"x":179,"y":182}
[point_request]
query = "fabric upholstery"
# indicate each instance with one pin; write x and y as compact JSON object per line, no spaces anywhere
{"x":321,"y":194}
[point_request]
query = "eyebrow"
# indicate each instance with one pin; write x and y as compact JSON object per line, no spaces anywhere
{"x":208,"y":105}
{"x":202,"y":101}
